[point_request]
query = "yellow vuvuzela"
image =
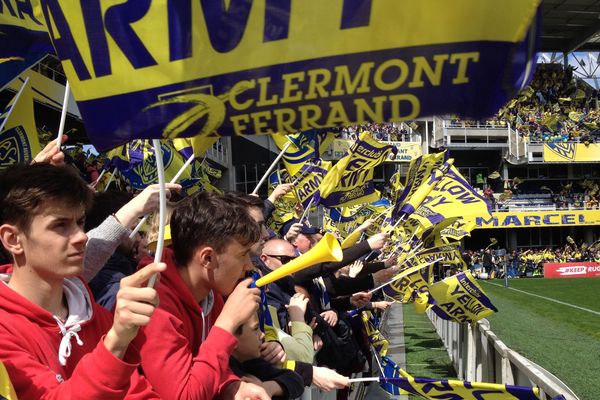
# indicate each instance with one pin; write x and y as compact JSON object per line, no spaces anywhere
{"x":328,"y":249}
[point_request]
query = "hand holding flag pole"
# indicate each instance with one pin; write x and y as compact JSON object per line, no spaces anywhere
{"x":174,"y":180}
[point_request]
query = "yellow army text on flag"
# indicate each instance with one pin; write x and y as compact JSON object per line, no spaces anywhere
{"x":350,"y":181}
{"x":451,"y":197}
{"x":310,"y":178}
{"x":460,"y":298}
{"x":18,"y":135}
{"x":182,"y":68}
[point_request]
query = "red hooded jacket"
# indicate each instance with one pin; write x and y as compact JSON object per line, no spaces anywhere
{"x":183,"y":355}
{"x":47,"y":359}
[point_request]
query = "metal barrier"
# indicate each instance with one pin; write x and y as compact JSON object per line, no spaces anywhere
{"x":478,"y":355}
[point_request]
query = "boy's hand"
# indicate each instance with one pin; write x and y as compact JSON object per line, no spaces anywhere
{"x":51,"y":154}
{"x":272,"y":352}
{"x":240,"y":305}
{"x":135,"y":305}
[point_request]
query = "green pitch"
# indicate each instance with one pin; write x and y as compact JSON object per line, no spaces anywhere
{"x":562,"y":339}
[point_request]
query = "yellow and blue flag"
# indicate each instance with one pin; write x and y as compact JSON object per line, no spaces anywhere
{"x":402,"y":289}
{"x":137,"y":163}
{"x":460,"y":298}
{"x":24,"y":38}
{"x":420,"y":181}
{"x":284,"y":207}
{"x":19,"y":141}
{"x":350,"y":181}
{"x":454,"y":389}
{"x":451,"y":197}
{"x":311,"y":176}
{"x":371,"y":326}
{"x":166,"y":69}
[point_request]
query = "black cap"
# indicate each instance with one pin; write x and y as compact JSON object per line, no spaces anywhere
{"x":306,"y":230}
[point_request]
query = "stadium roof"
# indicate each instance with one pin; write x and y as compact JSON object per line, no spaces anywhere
{"x":570,"y":25}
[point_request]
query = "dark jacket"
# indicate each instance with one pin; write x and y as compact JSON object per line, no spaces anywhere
{"x":291,"y":383}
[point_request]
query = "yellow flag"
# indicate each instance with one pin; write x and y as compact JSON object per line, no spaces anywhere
{"x":6,"y":388}
{"x":460,"y":298}
{"x":18,"y":135}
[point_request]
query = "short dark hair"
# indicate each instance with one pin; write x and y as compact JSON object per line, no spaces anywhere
{"x":26,"y":188}
{"x":105,"y":204}
{"x":209,"y":219}
{"x":245,"y":200}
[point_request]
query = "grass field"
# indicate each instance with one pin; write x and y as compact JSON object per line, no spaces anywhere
{"x":562,"y":339}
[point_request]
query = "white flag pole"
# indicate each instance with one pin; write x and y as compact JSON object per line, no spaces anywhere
{"x":95,"y":183}
{"x":13,"y":104}
{"x":174,"y":180}
{"x":63,"y":116}
{"x":161,"y":209}
{"x":273,"y":165}
{"x":112,"y":176}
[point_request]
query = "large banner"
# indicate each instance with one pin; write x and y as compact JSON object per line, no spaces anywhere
{"x":407,"y":151}
{"x":571,"y":152}
{"x":24,"y":38}
{"x":572,"y":270}
{"x":164,"y":68}
{"x":529,"y":219}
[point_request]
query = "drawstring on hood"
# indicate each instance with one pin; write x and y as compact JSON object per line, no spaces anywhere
{"x":80,"y":311}
{"x":64,"y":350}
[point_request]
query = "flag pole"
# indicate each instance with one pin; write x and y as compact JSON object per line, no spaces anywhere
{"x":112,"y":175}
{"x":305,"y":213}
{"x":162,"y":207}
{"x":174,"y":180}
{"x":13,"y":105}
{"x":95,"y":183}
{"x":271,"y":167}
{"x":63,"y":116}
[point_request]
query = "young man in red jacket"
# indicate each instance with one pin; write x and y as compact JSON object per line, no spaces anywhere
{"x":190,"y":338}
{"x":55,"y":342}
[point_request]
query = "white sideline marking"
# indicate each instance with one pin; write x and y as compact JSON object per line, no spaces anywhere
{"x":548,"y":298}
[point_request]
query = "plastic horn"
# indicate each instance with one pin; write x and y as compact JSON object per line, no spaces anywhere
{"x":328,"y":249}
{"x":351,"y":239}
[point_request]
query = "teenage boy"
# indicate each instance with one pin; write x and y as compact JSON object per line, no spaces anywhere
{"x":188,"y":343}
{"x":56,"y":343}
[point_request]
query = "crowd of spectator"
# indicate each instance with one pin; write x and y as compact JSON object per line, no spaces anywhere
{"x":555,"y":107}
{"x":528,"y":262}
{"x":380,"y":131}
{"x":205,"y":338}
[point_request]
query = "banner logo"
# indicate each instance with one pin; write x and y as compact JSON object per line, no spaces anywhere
{"x":14,"y":147}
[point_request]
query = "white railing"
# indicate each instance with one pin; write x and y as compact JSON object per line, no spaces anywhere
{"x":473,"y":132}
{"x":478,"y":355}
